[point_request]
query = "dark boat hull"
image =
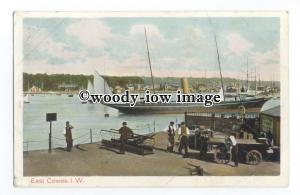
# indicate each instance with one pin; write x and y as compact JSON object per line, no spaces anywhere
{"x":253,"y":105}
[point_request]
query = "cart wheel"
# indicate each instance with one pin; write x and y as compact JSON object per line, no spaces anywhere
{"x":221,"y":156}
{"x":253,"y":157}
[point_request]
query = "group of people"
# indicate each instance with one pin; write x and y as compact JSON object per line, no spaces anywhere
{"x":125,"y":133}
{"x":183,"y":132}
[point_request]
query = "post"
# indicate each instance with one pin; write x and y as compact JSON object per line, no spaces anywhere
{"x":50,"y":135}
{"x":91,"y":136}
{"x":154,"y":126}
{"x":49,"y":118}
{"x":26,"y":146}
{"x":214,"y":122}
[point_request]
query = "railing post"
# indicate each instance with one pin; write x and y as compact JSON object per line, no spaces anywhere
{"x":26,"y":146}
{"x":214,"y":121}
{"x":91,"y":136}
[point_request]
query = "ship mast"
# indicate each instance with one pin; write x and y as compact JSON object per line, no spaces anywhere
{"x":255,"y":81}
{"x":149,"y":61}
{"x":220,"y":67}
{"x":247,"y":75}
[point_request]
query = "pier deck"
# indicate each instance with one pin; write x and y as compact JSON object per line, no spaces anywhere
{"x":93,"y":160}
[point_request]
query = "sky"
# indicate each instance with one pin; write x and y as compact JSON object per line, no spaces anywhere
{"x":179,"y":47}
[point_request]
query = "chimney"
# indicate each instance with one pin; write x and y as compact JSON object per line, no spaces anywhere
{"x":185,"y":85}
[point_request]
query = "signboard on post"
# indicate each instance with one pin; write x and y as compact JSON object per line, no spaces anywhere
{"x":49,"y":118}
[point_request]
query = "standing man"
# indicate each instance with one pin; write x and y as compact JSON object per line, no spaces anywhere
{"x":234,"y":150}
{"x":269,"y":136}
{"x":125,"y":133}
{"x":183,"y":132}
{"x":171,"y":136}
{"x":68,"y":136}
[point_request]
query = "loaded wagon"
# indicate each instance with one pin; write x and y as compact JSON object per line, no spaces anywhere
{"x":251,"y":151}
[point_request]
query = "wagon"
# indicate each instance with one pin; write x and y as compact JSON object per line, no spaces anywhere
{"x":250,"y":151}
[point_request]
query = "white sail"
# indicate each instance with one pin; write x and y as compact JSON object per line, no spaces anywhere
{"x":100,"y":85}
{"x":221,"y":93}
{"x":26,"y":98}
{"x":90,"y":87}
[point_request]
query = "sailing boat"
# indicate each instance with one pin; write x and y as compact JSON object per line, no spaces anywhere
{"x":90,"y":88}
{"x":26,"y":99}
{"x":175,"y":108}
{"x":100,"y":85}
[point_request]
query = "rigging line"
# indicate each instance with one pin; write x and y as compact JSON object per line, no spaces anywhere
{"x":149,"y":60}
{"x":218,"y":55}
{"x":220,"y":70}
{"x":247,"y":75}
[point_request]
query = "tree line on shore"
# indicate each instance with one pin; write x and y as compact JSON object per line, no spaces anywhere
{"x":53,"y":82}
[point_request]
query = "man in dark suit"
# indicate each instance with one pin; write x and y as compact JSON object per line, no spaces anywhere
{"x":68,"y":135}
{"x":125,"y":133}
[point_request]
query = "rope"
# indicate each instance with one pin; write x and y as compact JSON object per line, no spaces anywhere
{"x":81,"y":136}
{"x":84,"y":142}
{"x":33,"y":141}
{"x":58,"y":138}
{"x":60,"y":145}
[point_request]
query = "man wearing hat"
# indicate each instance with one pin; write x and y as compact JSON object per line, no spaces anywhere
{"x":68,"y":135}
{"x":171,"y":136}
{"x":183,"y":132}
{"x":234,"y":149}
{"x":125,"y":133}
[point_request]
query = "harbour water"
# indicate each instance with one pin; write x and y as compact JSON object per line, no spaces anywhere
{"x":85,"y":117}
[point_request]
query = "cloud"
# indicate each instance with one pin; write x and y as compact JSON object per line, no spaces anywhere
{"x":153,"y":32}
{"x":237,"y":44}
{"x":85,"y":45}
{"x":91,"y":33}
{"x":194,"y":36}
{"x":267,"y":63}
{"x":38,"y":44}
{"x":267,"y":57}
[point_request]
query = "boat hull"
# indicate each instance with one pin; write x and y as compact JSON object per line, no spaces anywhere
{"x":180,"y":108}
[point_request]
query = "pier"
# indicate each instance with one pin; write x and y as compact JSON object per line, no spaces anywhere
{"x":94,"y":160}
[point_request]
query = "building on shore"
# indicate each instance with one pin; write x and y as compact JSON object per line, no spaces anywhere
{"x":68,"y":87}
{"x":34,"y":89}
{"x":270,"y":120}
